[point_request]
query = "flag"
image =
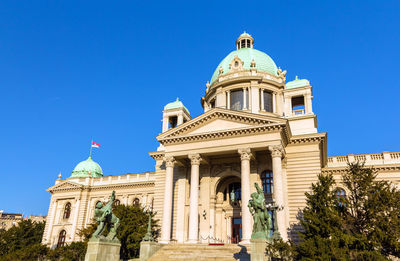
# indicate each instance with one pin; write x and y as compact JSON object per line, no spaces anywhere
{"x":95,"y":145}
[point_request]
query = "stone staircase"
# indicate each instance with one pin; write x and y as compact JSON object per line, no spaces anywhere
{"x":202,"y":252}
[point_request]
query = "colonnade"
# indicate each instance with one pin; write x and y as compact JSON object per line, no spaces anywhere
{"x":195,"y":160}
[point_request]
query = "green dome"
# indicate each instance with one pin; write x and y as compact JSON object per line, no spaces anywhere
{"x":264,"y":63}
{"x":296,"y":83}
{"x":175,"y":105}
{"x":84,"y":167}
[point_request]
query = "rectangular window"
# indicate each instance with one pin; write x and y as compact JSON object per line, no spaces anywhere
{"x":236,"y":100}
{"x":267,"y":101}
{"x":298,"y":105}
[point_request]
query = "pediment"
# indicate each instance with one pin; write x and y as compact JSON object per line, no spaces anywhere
{"x":220,"y":120}
{"x":65,"y":185}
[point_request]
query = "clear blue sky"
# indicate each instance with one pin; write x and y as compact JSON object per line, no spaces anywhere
{"x":73,"y":70}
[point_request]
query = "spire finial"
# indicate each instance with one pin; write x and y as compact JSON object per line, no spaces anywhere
{"x":59,"y":175}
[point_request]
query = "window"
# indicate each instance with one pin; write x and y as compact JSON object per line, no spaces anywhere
{"x":67,"y":210}
{"x":298,"y":105}
{"x":61,"y":238}
{"x":341,"y":195}
{"x":267,"y":181}
{"x":236,"y":100}
{"x":116,"y":203}
{"x":136,"y":202}
{"x":267,"y":101}
{"x":173,"y":121}
{"x":212,"y":104}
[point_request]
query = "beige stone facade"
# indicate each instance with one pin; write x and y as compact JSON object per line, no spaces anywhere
{"x":8,"y":220}
{"x":256,"y":128}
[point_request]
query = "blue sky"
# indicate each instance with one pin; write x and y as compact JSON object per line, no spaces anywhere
{"x":73,"y":70}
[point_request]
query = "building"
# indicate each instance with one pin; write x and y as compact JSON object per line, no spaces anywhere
{"x":257,"y":127}
{"x":8,"y":220}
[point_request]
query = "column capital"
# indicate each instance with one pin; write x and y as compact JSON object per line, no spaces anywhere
{"x":194,"y":159}
{"x":169,"y":161}
{"x":245,"y":154}
{"x":276,"y":151}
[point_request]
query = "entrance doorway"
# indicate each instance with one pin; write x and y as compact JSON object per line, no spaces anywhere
{"x":236,"y":230}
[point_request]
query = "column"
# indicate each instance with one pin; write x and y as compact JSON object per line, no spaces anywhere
{"x":245,"y":155}
{"x":244,"y":99}
{"x":180,"y":119}
{"x":262,"y":100}
{"x":194,"y":199}
{"x":228,"y":100}
{"x":75,"y":222}
{"x":276,"y":154}
{"x":274,"y":102}
{"x":165,"y":124}
{"x":167,"y":209}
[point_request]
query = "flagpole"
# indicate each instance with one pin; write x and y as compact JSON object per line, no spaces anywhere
{"x":91,"y":147}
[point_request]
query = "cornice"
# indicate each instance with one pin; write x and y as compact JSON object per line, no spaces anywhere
{"x":105,"y":186}
{"x":381,"y":168}
{"x":124,"y":185}
{"x":308,"y":138}
{"x":157,"y":155}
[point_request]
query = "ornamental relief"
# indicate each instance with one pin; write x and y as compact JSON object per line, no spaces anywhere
{"x":236,"y":64}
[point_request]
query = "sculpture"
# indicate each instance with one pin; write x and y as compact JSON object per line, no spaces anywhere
{"x":105,"y":218}
{"x":262,"y":219}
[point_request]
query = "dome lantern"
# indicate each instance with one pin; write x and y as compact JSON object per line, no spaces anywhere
{"x":244,"y":41}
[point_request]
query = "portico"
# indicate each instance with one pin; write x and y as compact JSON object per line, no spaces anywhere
{"x":209,"y":212}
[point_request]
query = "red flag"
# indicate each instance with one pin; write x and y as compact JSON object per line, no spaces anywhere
{"x":95,"y":145}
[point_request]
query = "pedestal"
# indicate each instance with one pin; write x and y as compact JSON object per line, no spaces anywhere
{"x":102,"y":250}
{"x":258,"y":252}
{"x":147,"y":249}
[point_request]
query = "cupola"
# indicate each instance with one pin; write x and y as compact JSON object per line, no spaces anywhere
{"x":174,"y":114}
{"x":87,"y":168}
{"x":244,"y":41}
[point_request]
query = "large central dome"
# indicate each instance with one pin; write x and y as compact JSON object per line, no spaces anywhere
{"x":247,"y":54}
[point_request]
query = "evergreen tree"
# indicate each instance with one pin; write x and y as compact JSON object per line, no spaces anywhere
{"x":323,"y":237}
{"x":372,"y":212}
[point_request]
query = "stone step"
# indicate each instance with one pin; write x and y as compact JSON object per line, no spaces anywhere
{"x":201,"y":252}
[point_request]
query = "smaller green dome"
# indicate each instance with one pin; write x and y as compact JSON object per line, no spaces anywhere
{"x":84,"y":167}
{"x":175,"y":105}
{"x":296,"y":83}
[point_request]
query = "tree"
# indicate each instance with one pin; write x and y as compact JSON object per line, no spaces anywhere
{"x":323,"y":237}
{"x":24,"y":234}
{"x":371,"y":212}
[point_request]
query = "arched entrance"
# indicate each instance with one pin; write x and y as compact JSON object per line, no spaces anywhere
{"x":228,"y":223}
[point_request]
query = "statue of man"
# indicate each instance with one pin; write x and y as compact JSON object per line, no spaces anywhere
{"x":105,"y":218}
{"x":262,"y":219}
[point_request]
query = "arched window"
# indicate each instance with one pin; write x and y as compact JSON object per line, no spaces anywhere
{"x":61,"y":238}
{"x":341,"y":195}
{"x":67,"y":210}
{"x":267,"y":181}
{"x":116,"y":203}
{"x":136,"y":202}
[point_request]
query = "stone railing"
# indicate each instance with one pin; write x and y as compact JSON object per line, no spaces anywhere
{"x":369,"y":159}
{"x":117,"y":179}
